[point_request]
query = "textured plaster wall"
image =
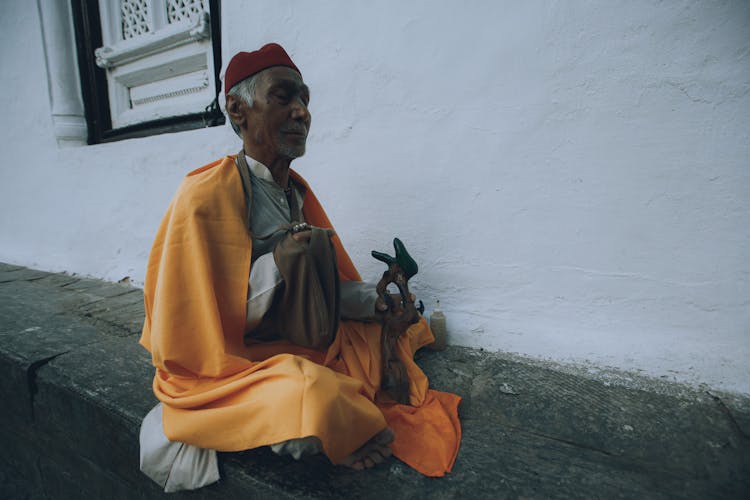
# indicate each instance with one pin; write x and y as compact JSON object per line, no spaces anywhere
{"x":573,"y":177}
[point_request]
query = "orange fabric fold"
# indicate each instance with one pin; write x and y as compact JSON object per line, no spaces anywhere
{"x":220,"y":394}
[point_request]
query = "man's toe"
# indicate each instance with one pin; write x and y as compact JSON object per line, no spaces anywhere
{"x":386,"y":436}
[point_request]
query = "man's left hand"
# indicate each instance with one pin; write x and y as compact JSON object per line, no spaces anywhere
{"x":381,"y":306}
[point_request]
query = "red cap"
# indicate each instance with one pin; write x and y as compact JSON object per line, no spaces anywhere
{"x":246,"y":64}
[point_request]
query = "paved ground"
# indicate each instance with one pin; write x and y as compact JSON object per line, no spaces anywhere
{"x":76,"y":385}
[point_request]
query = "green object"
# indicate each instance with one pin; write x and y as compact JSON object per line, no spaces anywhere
{"x":402,"y":258}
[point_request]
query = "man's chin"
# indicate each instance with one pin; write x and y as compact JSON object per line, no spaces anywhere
{"x":292,"y":152}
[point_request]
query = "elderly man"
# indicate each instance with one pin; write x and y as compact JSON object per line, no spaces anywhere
{"x":227,"y":377}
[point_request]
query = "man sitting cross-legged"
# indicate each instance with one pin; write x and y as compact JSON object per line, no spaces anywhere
{"x":227,"y":377}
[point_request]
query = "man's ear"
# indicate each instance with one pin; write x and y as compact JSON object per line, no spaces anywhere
{"x":235,"y":109}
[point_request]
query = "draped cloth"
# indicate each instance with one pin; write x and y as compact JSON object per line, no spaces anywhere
{"x":219,"y":393}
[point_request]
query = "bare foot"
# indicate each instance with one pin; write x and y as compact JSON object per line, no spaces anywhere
{"x":298,"y":447}
{"x":373,"y":452}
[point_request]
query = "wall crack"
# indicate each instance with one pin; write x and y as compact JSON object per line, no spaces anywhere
{"x":732,"y":421}
{"x":31,"y":372}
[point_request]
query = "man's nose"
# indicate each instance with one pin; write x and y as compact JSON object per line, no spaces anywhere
{"x":300,"y":111}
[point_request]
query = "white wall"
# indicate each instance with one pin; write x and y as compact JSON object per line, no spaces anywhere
{"x":572,"y":176}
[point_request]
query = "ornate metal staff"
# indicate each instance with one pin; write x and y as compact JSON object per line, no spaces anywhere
{"x":397,"y":318}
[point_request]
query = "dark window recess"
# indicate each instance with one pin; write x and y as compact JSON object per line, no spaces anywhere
{"x":94,"y":82}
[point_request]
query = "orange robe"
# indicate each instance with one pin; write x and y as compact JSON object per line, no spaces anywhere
{"x":219,"y":393}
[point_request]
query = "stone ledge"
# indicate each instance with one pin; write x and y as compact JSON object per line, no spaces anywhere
{"x":77,"y":385}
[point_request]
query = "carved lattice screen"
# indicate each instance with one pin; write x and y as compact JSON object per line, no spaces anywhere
{"x":135,"y":18}
{"x":159,"y":59}
{"x":182,"y":10}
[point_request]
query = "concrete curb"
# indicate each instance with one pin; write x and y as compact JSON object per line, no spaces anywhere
{"x":77,"y":385}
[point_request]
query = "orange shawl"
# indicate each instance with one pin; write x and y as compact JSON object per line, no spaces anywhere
{"x":217,"y":391}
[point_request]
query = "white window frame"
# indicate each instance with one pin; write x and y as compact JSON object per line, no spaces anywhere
{"x":164,"y":73}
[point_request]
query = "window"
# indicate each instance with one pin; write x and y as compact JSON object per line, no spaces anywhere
{"x":148,"y":66}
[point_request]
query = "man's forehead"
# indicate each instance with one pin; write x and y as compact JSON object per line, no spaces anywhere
{"x":282,"y":75}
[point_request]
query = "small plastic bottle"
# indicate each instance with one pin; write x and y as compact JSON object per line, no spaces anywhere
{"x":437,"y":325}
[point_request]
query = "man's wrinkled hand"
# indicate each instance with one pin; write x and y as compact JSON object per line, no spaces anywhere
{"x":381,"y":306}
{"x":304,"y":236}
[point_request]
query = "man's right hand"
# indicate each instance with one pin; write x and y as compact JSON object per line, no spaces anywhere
{"x":304,"y":236}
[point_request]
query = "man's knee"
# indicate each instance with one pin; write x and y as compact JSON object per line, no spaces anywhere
{"x":308,"y":374}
